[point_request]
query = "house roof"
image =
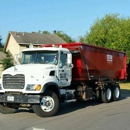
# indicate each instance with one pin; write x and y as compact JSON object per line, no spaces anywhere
{"x":2,"y":56}
{"x":34,"y":38}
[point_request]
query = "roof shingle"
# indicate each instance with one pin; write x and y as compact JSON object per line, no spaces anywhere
{"x":36,"y":38}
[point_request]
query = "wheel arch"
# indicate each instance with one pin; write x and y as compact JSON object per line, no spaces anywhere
{"x":52,"y":86}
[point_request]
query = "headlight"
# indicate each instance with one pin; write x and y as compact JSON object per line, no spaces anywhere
{"x":33,"y":87}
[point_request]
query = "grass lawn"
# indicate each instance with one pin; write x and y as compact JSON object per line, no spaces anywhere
{"x":125,"y":87}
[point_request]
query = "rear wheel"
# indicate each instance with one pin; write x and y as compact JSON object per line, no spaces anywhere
{"x":98,"y":96}
{"x":7,"y":108}
{"x":106,"y":94}
{"x":116,"y":92}
{"x":48,"y":106}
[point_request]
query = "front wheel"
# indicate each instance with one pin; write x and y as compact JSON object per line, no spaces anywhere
{"x":48,"y":106}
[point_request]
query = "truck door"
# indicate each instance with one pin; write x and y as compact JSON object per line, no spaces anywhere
{"x":65,"y":71}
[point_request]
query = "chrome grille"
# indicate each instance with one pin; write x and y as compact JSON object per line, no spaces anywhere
{"x":13,"y":81}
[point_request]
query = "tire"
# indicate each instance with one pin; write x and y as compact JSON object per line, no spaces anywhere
{"x":48,"y":106}
{"x":98,"y":96}
{"x":106,"y":94}
{"x":116,"y":92}
{"x":8,"y":108}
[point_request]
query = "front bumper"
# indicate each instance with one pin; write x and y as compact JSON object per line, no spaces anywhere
{"x":10,"y":98}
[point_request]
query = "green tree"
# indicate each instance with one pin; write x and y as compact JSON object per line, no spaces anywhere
{"x":8,"y":61}
{"x":64,"y":36}
{"x":112,"y":31}
{"x":44,"y":32}
{"x":61,"y":34}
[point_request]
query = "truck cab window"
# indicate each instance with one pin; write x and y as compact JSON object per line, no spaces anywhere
{"x":63,"y":59}
{"x":39,"y":57}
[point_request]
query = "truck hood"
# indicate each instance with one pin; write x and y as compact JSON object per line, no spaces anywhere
{"x":29,"y":68}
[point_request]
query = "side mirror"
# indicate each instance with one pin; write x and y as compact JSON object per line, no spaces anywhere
{"x":17,"y":58}
{"x":70,"y":65}
{"x":69,"y":58}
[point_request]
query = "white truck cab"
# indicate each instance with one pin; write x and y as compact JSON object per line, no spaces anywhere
{"x":36,"y":79}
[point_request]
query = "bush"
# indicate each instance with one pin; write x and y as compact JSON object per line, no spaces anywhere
{"x":8,"y":61}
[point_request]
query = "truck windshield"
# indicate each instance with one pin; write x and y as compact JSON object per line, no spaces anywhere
{"x":39,"y":57}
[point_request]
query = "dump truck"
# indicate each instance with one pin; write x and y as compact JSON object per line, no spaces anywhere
{"x":43,"y":78}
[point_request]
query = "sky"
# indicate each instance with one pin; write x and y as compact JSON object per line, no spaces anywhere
{"x":73,"y":17}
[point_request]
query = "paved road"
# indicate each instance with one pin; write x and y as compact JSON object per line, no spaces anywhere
{"x":88,"y":115}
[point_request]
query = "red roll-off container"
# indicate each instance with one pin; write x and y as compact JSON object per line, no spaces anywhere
{"x":92,"y":62}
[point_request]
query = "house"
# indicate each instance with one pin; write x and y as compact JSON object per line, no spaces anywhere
{"x":2,"y":56}
{"x":17,"y":41}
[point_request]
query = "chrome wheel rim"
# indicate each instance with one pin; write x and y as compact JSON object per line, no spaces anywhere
{"x":47,"y":103}
{"x":117,"y":92}
{"x":108,"y":94}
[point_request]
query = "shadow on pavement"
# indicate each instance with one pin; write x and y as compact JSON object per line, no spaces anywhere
{"x":125,"y":93}
{"x":25,"y":110}
{"x":73,"y":106}
{"x":69,"y":107}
